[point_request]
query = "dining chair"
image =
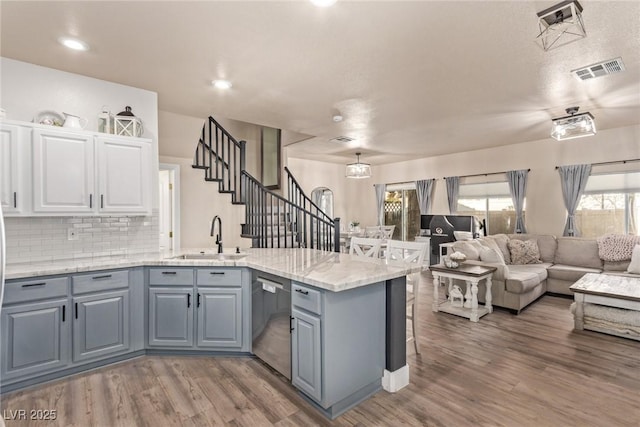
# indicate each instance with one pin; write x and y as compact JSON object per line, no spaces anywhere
{"x":387,"y":231}
{"x":410,"y":253}
{"x":364,"y":246}
{"x":373,"y":232}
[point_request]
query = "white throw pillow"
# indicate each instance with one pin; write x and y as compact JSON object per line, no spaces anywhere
{"x":634,"y":265}
{"x":491,"y":255}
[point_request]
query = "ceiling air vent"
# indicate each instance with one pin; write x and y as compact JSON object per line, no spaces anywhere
{"x":600,"y":69}
{"x":341,"y":139}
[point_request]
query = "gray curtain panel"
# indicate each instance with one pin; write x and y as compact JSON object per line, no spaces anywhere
{"x":424,"y":191}
{"x":453,"y":190}
{"x":380,"y":190}
{"x":573,"y":179}
{"x":518,"y":188}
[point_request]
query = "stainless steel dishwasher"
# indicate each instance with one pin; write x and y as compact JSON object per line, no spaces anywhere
{"x":271,"y":321}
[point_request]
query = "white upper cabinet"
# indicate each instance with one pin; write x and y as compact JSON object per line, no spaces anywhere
{"x":11,"y":154}
{"x":63,"y":172}
{"x":74,"y":172}
{"x":124,"y":175}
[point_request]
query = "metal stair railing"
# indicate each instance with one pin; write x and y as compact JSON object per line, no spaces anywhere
{"x":297,"y":195}
{"x":222,"y":157}
{"x":274,"y":221}
{"x":270,"y":219}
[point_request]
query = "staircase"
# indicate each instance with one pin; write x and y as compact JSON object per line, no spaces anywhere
{"x":271,"y":220}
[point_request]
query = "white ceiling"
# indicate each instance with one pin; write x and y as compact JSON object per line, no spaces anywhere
{"x":412,"y":79}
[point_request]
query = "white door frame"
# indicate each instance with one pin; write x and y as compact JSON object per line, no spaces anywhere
{"x":174,"y":174}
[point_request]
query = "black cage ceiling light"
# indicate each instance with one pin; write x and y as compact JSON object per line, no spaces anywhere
{"x":358,"y":170}
{"x":573,"y":126}
{"x":560,"y":24}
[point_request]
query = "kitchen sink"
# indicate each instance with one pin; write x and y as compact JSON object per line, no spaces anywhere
{"x":219,"y":257}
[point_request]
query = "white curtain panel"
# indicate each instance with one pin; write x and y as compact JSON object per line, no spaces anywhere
{"x":424,"y":191}
{"x":453,"y":192}
{"x":573,"y":179}
{"x":380,"y":190}
{"x":518,"y":188}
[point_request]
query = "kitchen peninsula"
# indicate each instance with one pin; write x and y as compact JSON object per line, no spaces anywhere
{"x":348,"y":317}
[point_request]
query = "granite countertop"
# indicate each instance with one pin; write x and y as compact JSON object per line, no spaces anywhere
{"x":327,"y":270}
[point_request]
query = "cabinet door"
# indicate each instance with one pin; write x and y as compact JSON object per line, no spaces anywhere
{"x":306,"y":368}
{"x":124,"y":168}
{"x":63,"y":172}
{"x":101,"y":325}
{"x":219,"y":317}
{"x":170,"y":317}
{"x":35,"y":338}
{"x":10,"y":191}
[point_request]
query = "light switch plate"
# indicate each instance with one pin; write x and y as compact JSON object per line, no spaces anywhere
{"x":72,"y":234}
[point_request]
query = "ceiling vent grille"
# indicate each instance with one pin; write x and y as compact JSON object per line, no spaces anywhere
{"x":341,"y":139}
{"x":600,"y":69}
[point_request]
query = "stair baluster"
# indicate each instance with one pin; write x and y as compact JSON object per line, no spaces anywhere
{"x":271,"y":220}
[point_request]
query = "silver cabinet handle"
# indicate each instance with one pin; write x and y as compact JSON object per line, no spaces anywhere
{"x":33,"y":285}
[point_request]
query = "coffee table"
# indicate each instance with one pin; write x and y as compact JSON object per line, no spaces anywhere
{"x":471,"y":275}
{"x":613,"y":302}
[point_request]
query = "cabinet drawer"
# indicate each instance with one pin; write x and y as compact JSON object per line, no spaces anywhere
{"x":170,"y":276}
{"x":106,"y":280}
{"x":219,"y":277}
{"x":306,"y":298}
{"x":30,"y":290}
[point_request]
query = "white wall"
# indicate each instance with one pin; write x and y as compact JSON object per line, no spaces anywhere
{"x":350,"y":196}
{"x":545,"y":208}
{"x":199,"y":199}
{"x":26,"y":90}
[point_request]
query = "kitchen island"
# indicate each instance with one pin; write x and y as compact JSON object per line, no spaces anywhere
{"x":357,"y":306}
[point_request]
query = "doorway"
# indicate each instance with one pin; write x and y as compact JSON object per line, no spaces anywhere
{"x":169,"y":208}
{"x":402,"y":210}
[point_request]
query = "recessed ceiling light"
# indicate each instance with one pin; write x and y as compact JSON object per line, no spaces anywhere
{"x":323,"y":3}
{"x":222,"y":84}
{"x":74,"y":44}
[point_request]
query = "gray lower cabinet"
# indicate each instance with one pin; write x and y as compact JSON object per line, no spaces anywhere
{"x":219,"y":317}
{"x":101,"y":325}
{"x":171,"y":317}
{"x":337,"y":344}
{"x":35,"y":338}
{"x":306,"y":368}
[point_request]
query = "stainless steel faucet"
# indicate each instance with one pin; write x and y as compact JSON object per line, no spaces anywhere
{"x":219,"y":235}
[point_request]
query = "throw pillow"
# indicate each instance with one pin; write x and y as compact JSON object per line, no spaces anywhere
{"x":471,"y":251}
{"x":491,"y":255}
{"x":634,"y":266}
{"x":502,"y":240}
{"x":491,"y":244}
{"x":524,"y":251}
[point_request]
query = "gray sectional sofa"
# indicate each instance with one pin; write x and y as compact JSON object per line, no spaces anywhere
{"x":564,"y":260}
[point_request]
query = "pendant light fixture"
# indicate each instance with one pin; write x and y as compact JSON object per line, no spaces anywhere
{"x":358,"y":170}
{"x":573,"y":126}
{"x":560,"y":24}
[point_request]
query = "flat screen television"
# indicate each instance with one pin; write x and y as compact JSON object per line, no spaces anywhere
{"x":459,"y":222}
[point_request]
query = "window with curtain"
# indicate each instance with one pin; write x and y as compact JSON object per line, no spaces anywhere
{"x":610,"y":204}
{"x":489,"y":201}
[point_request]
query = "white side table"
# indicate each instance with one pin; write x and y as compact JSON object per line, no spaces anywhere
{"x":471,"y":275}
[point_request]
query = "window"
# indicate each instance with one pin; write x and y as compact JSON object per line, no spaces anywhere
{"x":402,"y":210}
{"x":610,"y":204}
{"x":491,"y":202}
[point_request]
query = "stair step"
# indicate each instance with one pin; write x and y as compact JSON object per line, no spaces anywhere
{"x":213,"y":179}
{"x":199,"y":167}
{"x":227,"y":191}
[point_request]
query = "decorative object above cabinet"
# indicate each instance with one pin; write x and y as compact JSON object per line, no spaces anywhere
{"x":53,"y":171}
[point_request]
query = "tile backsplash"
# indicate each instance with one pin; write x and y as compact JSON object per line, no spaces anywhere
{"x":42,"y":239}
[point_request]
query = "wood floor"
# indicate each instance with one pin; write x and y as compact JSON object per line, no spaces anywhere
{"x":506,"y":370}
